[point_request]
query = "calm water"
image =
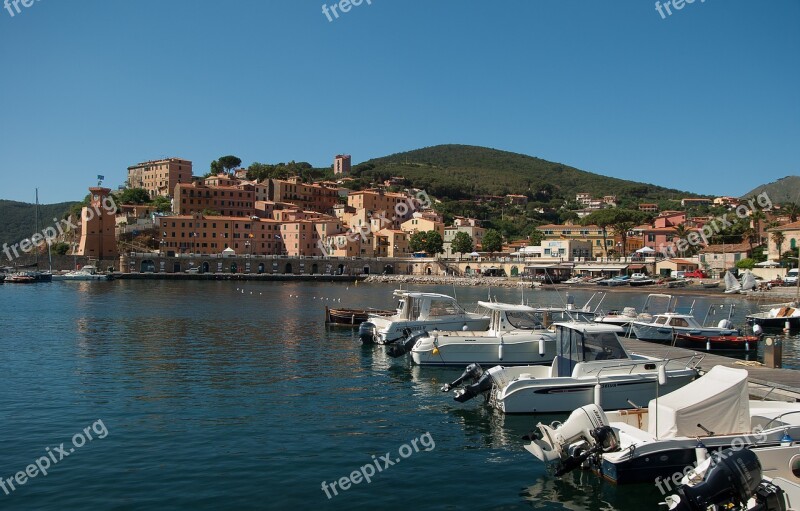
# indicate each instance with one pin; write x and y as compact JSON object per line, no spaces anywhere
{"x":215,"y":398}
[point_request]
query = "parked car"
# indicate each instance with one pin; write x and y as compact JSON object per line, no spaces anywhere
{"x":791,"y":278}
{"x":193,"y":270}
{"x":696,"y":274}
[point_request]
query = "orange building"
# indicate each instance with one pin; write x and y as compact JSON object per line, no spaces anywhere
{"x":395,"y":207}
{"x":159,"y":177}
{"x":98,"y":221}
{"x":312,"y":196}
{"x":225,"y":200}
{"x":341,"y":164}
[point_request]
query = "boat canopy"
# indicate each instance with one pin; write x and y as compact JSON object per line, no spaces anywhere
{"x":718,"y":401}
{"x":586,"y":342}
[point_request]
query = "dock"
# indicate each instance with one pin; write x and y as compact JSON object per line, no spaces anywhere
{"x":775,"y":384}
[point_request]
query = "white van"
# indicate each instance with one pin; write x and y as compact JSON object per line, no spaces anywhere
{"x":678,"y":274}
{"x":791,"y":277}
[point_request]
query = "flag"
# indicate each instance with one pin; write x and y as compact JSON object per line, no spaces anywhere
{"x":101,"y":177}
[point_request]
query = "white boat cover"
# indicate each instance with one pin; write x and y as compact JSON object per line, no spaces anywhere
{"x":718,"y":400}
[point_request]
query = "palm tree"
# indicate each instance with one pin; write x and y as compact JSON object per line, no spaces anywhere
{"x":791,"y":209}
{"x":778,"y":238}
{"x":681,"y":231}
{"x":757,"y":217}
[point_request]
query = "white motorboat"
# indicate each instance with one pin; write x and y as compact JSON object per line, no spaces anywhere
{"x":516,"y":335}
{"x":420,"y":311}
{"x":758,"y":479}
{"x":88,"y":272}
{"x":591,"y":365}
{"x":665,"y":326}
{"x":671,"y":434}
{"x":628,"y":315}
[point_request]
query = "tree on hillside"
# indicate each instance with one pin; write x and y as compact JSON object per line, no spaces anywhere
{"x":462,"y":243}
{"x":778,"y":238}
{"x":229,"y":163}
{"x":133,"y":196}
{"x":417,"y":242}
{"x":492,"y":241}
{"x":603,"y":219}
{"x":162,"y":204}
{"x":623,"y":220}
{"x":215,"y":168}
{"x":791,"y":209}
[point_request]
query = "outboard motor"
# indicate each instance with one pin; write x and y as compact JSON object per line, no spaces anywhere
{"x":400,"y":348}
{"x":367,"y":332}
{"x":732,"y":478}
{"x":472,"y":372}
{"x":483,"y":384}
{"x":586,"y":432}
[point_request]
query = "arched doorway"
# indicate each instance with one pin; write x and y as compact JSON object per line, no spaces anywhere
{"x":205,"y":267}
{"x":388,"y":269}
{"x":514,"y":271}
{"x":467,"y":270}
{"x":148,"y":266}
{"x":314,"y":269}
{"x":176,"y":267}
{"x":288,"y":268}
{"x":428,"y":271}
{"x":234,"y":268}
{"x":261,"y":268}
{"x":366,"y":270}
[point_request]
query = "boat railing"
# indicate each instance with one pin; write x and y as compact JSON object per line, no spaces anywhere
{"x":665,"y":362}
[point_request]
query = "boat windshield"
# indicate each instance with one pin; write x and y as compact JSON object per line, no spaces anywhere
{"x":661,"y":320}
{"x":678,"y":322}
{"x":524,"y":320}
{"x":444,"y":308}
{"x":602,"y":346}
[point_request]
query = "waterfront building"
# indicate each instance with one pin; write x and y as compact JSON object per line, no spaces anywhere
{"x":159,"y":177}
{"x":461,"y":224}
{"x":98,"y":223}
{"x":590,"y":233}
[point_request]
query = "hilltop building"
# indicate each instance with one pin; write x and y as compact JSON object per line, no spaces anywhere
{"x":159,"y":177}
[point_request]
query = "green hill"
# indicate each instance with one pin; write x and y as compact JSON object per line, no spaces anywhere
{"x":18,"y":218}
{"x":786,"y":189}
{"x":462,"y":172}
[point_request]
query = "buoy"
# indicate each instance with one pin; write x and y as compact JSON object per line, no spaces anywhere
{"x":747,"y":345}
{"x":500,"y":350}
{"x":662,"y":374}
{"x":435,"y":351}
{"x":757,"y":330}
{"x":708,"y":344}
{"x":598,"y":395}
{"x":541,"y":347}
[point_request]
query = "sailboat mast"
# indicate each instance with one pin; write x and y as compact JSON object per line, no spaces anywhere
{"x":36,"y":224}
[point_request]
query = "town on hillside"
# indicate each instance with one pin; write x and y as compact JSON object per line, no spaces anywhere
{"x":169,"y":220}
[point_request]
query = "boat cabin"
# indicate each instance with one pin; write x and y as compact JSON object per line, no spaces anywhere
{"x":426,"y":306}
{"x":675,"y":320}
{"x":504,"y":317}
{"x":582,"y":342}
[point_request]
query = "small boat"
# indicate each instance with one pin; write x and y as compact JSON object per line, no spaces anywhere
{"x":710,"y":285}
{"x":351,"y":317}
{"x":665,"y":326}
{"x":29,"y":277}
{"x":615,"y":281}
{"x":653,"y":443}
{"x":641,"y":282}
{"x":678,"y":283}
{"x":591,"y":365}
{"x":417,"y":312}
{"x":717,"y":342}
{"x":777,"y":317}
{"x":88,"y":272}
{"x":748,"y":281}
{"x":517,"y":335}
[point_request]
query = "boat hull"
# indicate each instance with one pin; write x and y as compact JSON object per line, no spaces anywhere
{"x":485,"y":350}
{"x":717,"y":343}
{"x":388,"y":330}
{"x":648,"y":332}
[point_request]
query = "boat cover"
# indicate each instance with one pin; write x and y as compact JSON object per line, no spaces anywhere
{"x":718,"y":400}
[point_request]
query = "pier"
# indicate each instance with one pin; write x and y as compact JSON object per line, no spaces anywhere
{"x":776,"y":384}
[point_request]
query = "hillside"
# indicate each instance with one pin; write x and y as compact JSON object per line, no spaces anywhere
{"x":462,"y":172}
{"x":18,"y":218}
{"x":786,"y":189}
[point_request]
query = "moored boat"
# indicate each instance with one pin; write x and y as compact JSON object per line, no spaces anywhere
{"x":717,"y":342}
{"x":87,"y":273}
{"x":777,"y":317}
{"x":351,"y":317}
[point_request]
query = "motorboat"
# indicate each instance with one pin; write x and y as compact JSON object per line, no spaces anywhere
{"x":784,"y":316}
{"x":671,"y":434}
{"x":667,"y":325}
{"x":417,"y":311}
{"x":591,"y":366}
{"x":615,"y":281}
{"x":29,"y":277}
{"x":628,"y":315}
{"x":88,"y":272}
{"x":517,"y":335}
{"x":758,"y":479}
{"x":646,"y":281}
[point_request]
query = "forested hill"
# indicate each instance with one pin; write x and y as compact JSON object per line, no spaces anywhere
{"x":462,"y":172}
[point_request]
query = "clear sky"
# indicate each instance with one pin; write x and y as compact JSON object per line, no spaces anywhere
{"x":706,"y":99}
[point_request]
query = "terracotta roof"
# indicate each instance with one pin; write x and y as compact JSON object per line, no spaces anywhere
{"x":786,"y":227}
{"x":728,"y":248}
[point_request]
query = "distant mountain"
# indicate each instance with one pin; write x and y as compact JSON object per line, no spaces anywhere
{"x":17,"y":219}
{"x":462,"y":172}
{"x":785,"y":189}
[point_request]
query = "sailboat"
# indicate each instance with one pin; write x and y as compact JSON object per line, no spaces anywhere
{"x":33,"y":276}
{"x":731,"y":284}
{"x":748,"y":281}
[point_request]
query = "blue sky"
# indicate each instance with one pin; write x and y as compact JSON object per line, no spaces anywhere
{"x":704,"y":100}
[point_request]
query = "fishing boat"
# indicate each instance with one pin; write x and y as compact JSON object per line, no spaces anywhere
{"x":351,"y":317}
{"x":418,"y":311}
{"x":591,"y":366}
{"x":86,"y":273}
{"x":784,"y":316}
{"x":653,"y":443}
{"x":517,"y":335}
